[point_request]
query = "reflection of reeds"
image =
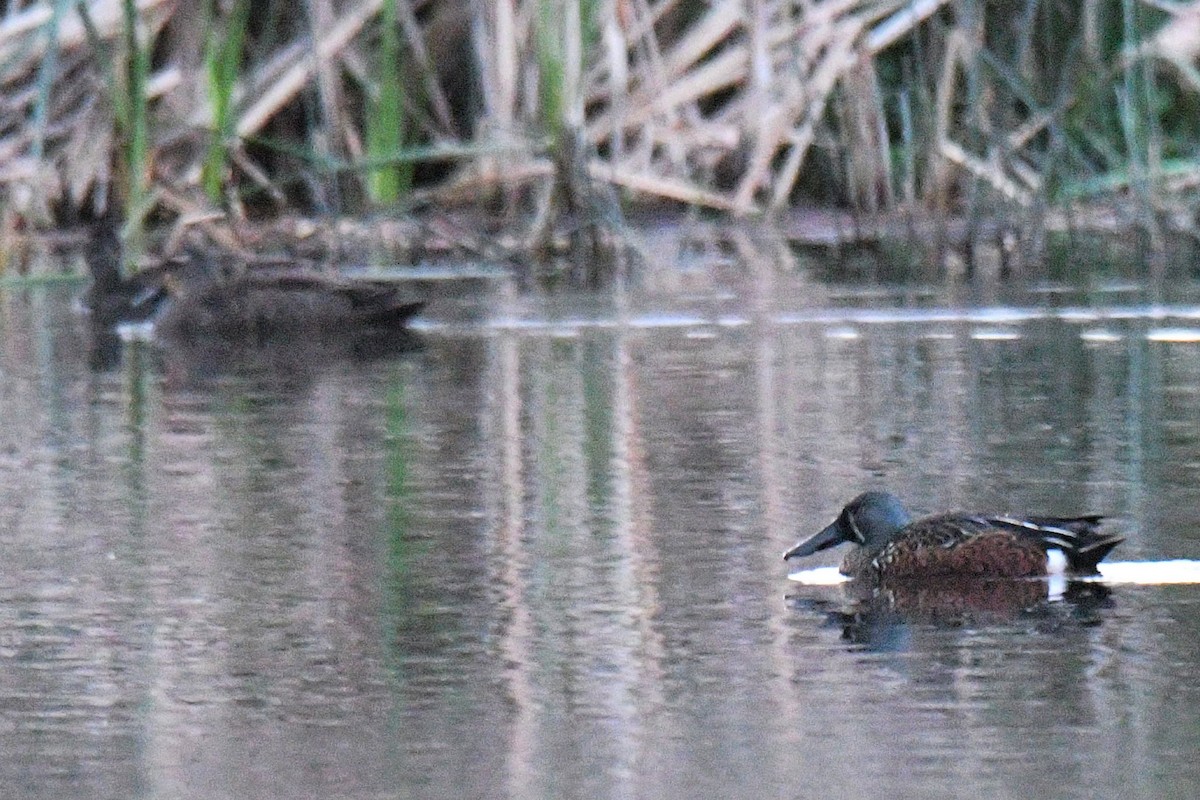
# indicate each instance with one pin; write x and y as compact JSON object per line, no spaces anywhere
{"x":741,"y":107}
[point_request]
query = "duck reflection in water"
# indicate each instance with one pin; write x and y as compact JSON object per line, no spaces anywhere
{"x":881,"y":616}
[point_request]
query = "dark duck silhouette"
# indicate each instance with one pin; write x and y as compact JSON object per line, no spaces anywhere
{"x":256,"y":304}
{"x":889,"y":544}
{"x":113,"y":299}
{"x":199,"y":297}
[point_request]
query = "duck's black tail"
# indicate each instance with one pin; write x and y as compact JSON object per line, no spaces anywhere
{"x":1079,"y":538}
{"x":394,"y":315}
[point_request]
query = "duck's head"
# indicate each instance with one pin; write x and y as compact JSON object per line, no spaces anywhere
{"x":868,"y":520}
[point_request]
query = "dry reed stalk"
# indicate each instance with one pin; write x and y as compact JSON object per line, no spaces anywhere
{"x":71,"y":134}
{"x":677,"y":79}
{"x":940,"y":181}
{"x":832,"y":42}
{"x":297,"y":66}
{"x":991,"y":172}
{"x":671,"y":189}
{"x":320,"y":17}
{"x":717,"y":104}
{"x":21,"y":44}
{"x":865,"y":142}
{"x":616,"y":51}
{"x":497,"y":51}
{"x":485,"y":175}
{"x":779,"y":101}
{"x":428,"y":73}
{"x":498,"y":43}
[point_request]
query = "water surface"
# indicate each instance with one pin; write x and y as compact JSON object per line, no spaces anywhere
{"x":540,"y":557}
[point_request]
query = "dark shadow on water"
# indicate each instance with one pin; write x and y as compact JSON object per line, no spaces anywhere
{"x":882,"y":617}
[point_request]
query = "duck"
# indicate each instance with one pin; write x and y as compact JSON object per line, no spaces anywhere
{"x":199,"y":297}
{"x":888,"y":544}
{"x":253,"y":304}
{"x":112,"y":299}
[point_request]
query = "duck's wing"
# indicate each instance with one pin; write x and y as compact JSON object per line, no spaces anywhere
{"x":295,"y":280}
{"x":954,"y":544}
{"x":368,"y":303}
{"x":1079,"y":538}
{"x":359,"y":293}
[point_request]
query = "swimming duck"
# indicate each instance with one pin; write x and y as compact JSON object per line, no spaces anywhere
{"x":198,"y":297}
{"x":265,"y":305}
{"x":890,"y":544}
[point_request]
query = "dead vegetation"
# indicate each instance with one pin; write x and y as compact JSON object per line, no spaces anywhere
{"x":550,"y":116}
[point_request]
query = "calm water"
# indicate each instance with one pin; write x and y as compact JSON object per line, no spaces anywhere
{"x":541,"y":556}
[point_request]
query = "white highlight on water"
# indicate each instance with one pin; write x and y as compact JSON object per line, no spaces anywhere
{"x":1140,"y":573}
{"x":820,"y":576}
{"x":1100,"y":335}
{"x":1175,"y":335}
{"x":991,"y":323}
{"x":994,"y":334}
{"x":984,"y":317}
{"x":136,"y":331}
{"x":841,"y":332}
{"x":1150,"y":573}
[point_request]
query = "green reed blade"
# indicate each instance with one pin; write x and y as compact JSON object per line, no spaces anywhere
{"x":223,"y":60}
{"x":385,"y":119}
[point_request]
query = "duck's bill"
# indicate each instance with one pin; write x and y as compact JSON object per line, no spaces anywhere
{"x":829,"y":537}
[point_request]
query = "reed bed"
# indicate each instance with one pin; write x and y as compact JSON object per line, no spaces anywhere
{"x":550,"y":115}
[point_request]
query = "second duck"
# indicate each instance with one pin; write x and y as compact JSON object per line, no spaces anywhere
{"x":202,"y":298}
